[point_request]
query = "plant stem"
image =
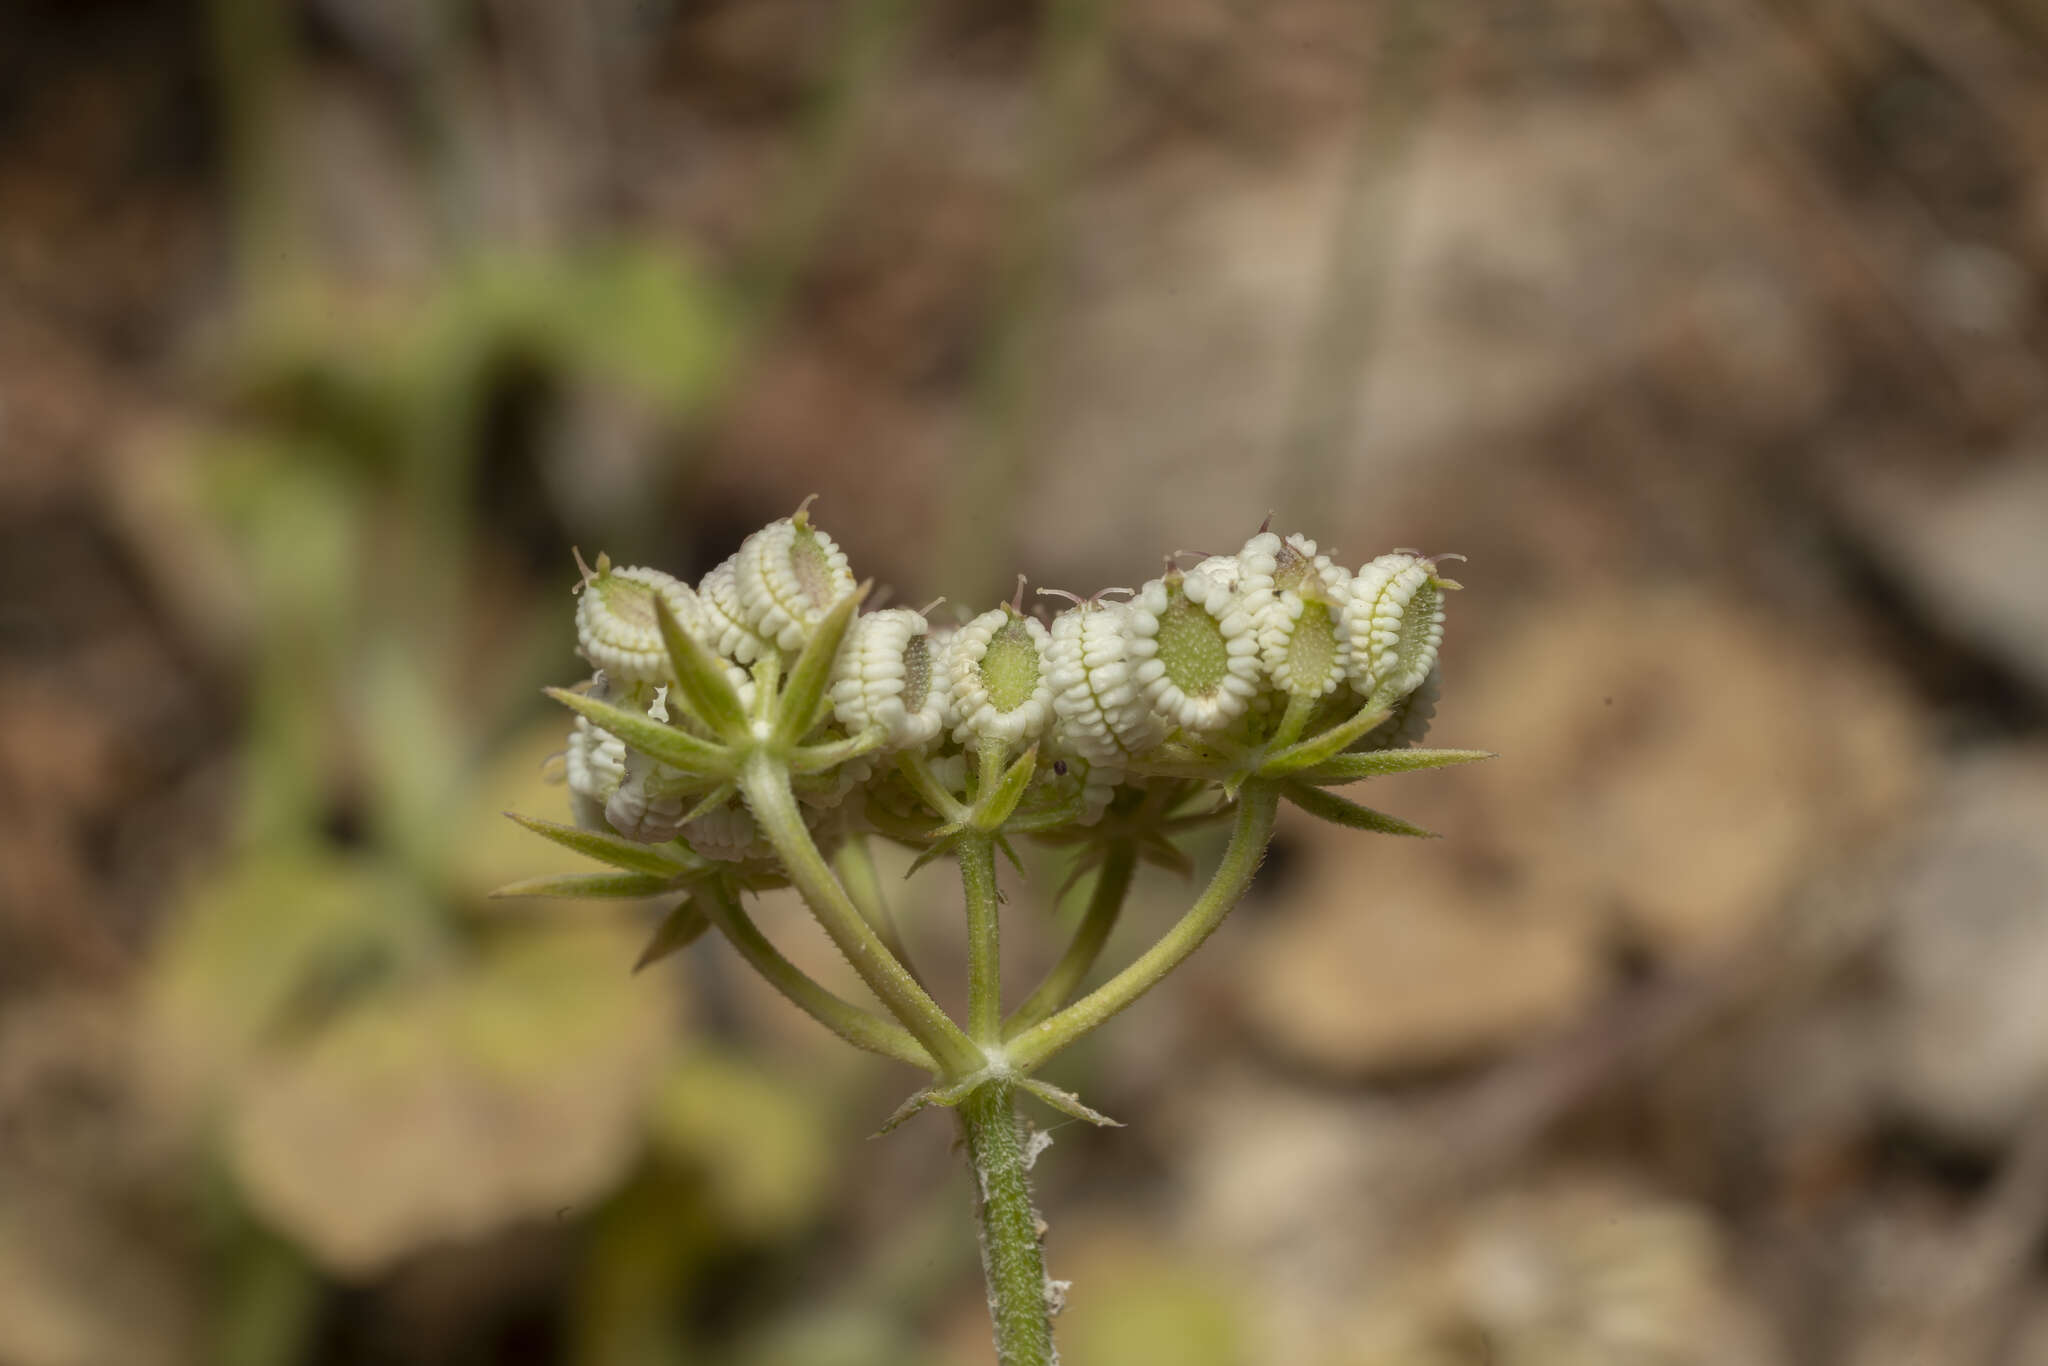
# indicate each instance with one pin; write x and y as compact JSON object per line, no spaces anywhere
{"x":1293,"y":721}
{"x":977,"y":854}
{"x":861,"y":1028}
{"x":918,"y":775}
{"x":1248,"y":837}
{"x":856,"y":866}
{"x":765,"y":782}
{"x":1011,"y":1257}
{"x":988,"y":769}
{"x":1112,"y":882}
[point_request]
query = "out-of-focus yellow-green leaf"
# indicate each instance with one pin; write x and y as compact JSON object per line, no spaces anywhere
{"x":298,"y":526}
{"x":762,"y":1144}
{"x":296,"y":549}
{"x":414,"y":745}
{"x":456,"y":1105}
{"x":270,"y":948}
{"x":1133,"y":1305}
{"x":630,"y":314}
{"x":837,"y":1335}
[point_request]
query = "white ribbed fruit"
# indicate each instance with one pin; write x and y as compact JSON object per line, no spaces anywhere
{"x":888,"y":678}
{"x":1393,"y":624}
{"x":1103,"y":714}
{"x":997,"y":686}
{"x":786,"y":577}
{"x":616,"y":629}
{"x":1197,"y":652}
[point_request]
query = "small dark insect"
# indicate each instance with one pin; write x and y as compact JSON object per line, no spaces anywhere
{"x":1059,"y":768}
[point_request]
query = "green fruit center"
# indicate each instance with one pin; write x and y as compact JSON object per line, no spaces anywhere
{"x":632,"y":603}
{"x":1312,"y":649}
{"x":813,"y":568}
{"x":1009,"y":671}
{"x":917,"y":674}
{"x":1191,"y":646}
{"x":1416,"y":623}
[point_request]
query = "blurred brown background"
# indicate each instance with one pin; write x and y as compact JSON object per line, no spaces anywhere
{"x":1711,"y":330}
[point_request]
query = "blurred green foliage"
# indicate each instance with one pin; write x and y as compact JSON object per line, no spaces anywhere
{"x":378,"y":1061}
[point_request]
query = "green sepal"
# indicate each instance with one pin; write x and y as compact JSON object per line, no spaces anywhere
{"x":942,"y":844}
{"x":701,"y":679}
{"x":1153,"y":768}
{"x":711,"y":801}
{"x":660,"y":860}
{"x":1338,"y":810}
{"x":1067,"y":1103}
{"x":1195,"y":820}
{"x":1090,"y":859}
{"x":902,"y":829}
{"x":658,"y":740}
{"x":1164,"y":853}
{"x":948,"y":1096}
{"x":802,"y":701}
{"x":1009,"y":852}
{"x":999,"y":803}
{"x":679,"y":929}
{"x":832,"y":753}
{"x":1049,"y":820}
{"x":1326,"y":745}
{"x":1038,"y":817}
{"x":1350,"y":768}
{"x":613,"y":885}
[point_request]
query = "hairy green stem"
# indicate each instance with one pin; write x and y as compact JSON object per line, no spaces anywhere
{"x":919,"y":775}
{"x":977,"y":854}
{"x":1248,"y":836}
{"x":1300,"y":707}
{"x":1011,"y":1256}
{"x":861,"y":1028}
{"x":988,"y":768}
{"x":1105,"y":903}
{"x":855,"y":863}
{"x":765,"y":782}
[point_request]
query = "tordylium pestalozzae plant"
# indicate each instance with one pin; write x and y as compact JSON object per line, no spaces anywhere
{"x":759,"y":730}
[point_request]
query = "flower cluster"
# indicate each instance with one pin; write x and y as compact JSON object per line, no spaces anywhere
{"x":1207,"y":665}
{"x":753,"y":730}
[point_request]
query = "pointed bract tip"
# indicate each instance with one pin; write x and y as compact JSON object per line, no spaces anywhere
{"x":585,"y":575}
